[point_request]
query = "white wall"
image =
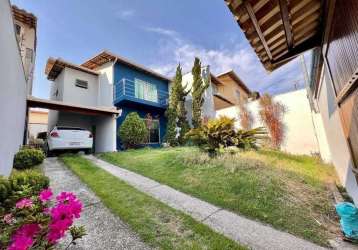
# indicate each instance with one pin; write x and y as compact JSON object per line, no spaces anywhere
{"x":338,"y":146}
{"x":57,"y":86}
{"x":208,"y":109}
{"x":27,"y":40}
{"x":76,"y":95}
{"x":300,"y":133}
{"x":12,"y":91}
{"x":105,"y":90}
{"x":106,"y":134}
{"x":35,"y":128}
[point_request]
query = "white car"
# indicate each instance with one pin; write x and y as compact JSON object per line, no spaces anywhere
{"x":65,"y":138}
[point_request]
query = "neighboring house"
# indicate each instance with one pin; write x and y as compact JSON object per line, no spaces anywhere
{"x":208,"y":108}
{"x":232,"y":88}
{"x":37,"y":122}
{"x":109,"y":82}
{"x":13,"y":91}
{"x":25,"y":29}
{"x":224,"y":91}
{"x":281,"y":30}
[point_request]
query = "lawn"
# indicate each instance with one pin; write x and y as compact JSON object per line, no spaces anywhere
{"x":289,"y":192}
{"x":157,"y":224}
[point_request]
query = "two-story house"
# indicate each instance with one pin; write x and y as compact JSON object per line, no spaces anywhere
{"x":25,"y":30}
{"x":230,"y":86}
{"x":101,"y":86}
{"x":136,"y":89}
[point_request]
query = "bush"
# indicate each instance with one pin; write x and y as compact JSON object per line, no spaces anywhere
{"x":21,"y":184}
{"x":271,"y":114}
{"x":220,"y":133}
{"x":5,"y":189}
{"x":245,"y":116}
{"x":27,"y":158}
{"x":133,"y":131}
{"x":35,"y":179}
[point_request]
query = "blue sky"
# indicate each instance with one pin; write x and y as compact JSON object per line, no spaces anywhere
{"x":156,"y":33}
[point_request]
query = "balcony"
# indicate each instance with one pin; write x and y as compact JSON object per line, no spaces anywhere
{"x":139,"y":92}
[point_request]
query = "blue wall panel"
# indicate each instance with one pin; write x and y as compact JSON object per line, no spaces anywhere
{"x":142,"y":108}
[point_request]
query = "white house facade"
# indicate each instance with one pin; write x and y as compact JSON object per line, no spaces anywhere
{"x":13,"y":91}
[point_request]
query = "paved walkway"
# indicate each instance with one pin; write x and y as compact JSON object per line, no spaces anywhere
{"x":104,"y":230}
{"x":251,"y":233}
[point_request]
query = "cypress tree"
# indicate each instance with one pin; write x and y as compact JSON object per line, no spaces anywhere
{"x":176,"y":113}
{"x":181,"y":93}
{"x":198,"y":90}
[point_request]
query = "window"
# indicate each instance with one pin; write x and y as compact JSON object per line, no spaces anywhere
{"x":17,"y":29}
{"x":238,"y":94}
{"x":145,"y":91}
{"x":154,"y":130}
{"x":29,"y":54}
{"x":81,"y":84}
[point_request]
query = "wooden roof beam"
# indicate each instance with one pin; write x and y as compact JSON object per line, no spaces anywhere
{"x":299,"y":49}
{"x":251,"y":13}
{"x":286,"y":23}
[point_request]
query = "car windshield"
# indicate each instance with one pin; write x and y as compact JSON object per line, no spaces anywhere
{"x":70,"y":128}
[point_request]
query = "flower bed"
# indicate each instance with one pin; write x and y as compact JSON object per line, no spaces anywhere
{"x":38,"y":222}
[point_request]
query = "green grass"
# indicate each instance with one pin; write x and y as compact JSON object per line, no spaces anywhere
{"x":157,"y":224}
{"x":289,"y":192}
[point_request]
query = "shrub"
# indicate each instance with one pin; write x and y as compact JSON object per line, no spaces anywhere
{"x":271,"y":114}
{"x":35,"y":179}
{"x":245,"y":116}
{"x":220,"y":133}
{"x":21,"y":184}
{"x":5,"y":189}
{"x":27,"y":158}
{"x":133,"y":131}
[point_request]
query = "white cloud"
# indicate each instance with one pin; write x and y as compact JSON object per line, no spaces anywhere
{"x":174,"y":49}
{"x":124,"y":14}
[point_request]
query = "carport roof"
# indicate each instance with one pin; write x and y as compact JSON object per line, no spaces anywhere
{"x":58,"y":105}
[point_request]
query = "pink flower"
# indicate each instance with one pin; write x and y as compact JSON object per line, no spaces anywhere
{"x":46,"y":211}
{"x":58,"y":229}
{"x":62,"y":215}
{"x":65,"y":197}
{"x":28,"y":230}
{"x":23,"y":237}
{"x":45,"y":195}
{"x":8,"y":218}
{"x":21,"y":243}
{"x":23,"y":203}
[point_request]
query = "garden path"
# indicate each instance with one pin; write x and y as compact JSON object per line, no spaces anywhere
{"x":245,"y":231}
{"x":104,"y":229}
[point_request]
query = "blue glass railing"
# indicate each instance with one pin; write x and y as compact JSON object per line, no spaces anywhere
{"x":125,"y":89}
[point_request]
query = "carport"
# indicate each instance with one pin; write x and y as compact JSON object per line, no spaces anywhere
{"x":100,"y":121}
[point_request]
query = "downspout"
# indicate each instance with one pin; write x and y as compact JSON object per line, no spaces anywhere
{"x":113,"y":78}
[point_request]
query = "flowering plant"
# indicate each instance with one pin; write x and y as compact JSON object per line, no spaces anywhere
{"x":34,"y":224}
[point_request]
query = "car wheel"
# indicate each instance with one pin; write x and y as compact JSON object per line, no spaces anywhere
{"x":48,"y":152}
{"x":88,"y":151}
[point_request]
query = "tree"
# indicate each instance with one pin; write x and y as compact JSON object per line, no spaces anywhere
{"x":133,"y":131}
{"x":245,"y":116}
{"x":199,"y":86}
{"x":176,"y":113}
{"x":271,"y":114}
{"x":180,"y":95}
{"x":171,"y":133}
